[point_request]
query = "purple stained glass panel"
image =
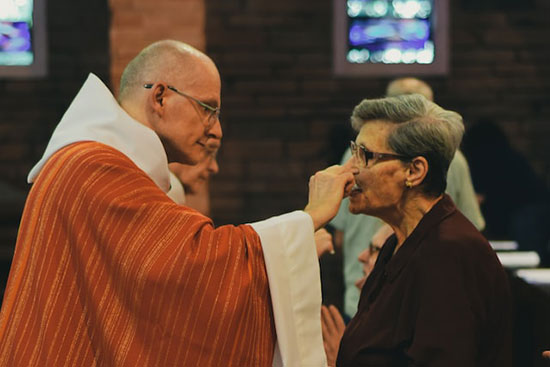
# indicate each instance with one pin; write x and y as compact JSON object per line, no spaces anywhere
{"x":14,"y":37}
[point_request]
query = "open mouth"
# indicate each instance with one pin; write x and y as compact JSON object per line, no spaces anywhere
{"x":356,"y":189}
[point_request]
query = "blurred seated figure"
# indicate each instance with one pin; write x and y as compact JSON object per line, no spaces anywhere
{"x":514,"y":201}
{"x":369,"y":255}
{"x":333,"y":324}
{"x":190,"y":183}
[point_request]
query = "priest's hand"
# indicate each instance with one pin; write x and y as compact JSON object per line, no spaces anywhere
{"x":333,"y":327}
{"x":327,"y":188}
{"x":546,"y":354}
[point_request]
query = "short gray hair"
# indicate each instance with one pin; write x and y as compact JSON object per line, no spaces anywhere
{"x":422,"y":128}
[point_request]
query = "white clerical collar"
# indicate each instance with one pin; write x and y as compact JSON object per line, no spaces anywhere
{"x":95,"y":115}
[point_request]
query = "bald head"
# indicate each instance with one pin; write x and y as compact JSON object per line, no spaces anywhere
{"x":409,"y":86}
{"x":180,"y":81}
{"x":165,"y":60}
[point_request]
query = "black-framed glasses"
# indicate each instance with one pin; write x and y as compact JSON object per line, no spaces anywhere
{"x":364,"y":155}
{"x":213,"y":112}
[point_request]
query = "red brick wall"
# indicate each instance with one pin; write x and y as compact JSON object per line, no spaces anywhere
{"x":137,"y":23}
{"x":281,"y":102}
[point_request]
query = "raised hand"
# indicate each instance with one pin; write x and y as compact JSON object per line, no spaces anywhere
{"x":333,"y":326}
{"x":327,"y":188}
{"x":323,"y":242}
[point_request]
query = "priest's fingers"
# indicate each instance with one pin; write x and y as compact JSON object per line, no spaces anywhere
{"x":326,"y":191}
{"x":350,"y":168}
{"x":329,"y":179}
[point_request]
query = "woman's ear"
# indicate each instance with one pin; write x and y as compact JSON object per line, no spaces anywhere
{"x":418,"y":169}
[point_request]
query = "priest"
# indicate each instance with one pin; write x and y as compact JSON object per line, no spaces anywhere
{"x":109,"y":271}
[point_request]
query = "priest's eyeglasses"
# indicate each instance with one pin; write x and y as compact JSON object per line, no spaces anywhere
{"x":213,"y":112}
{"x":363,"y":155}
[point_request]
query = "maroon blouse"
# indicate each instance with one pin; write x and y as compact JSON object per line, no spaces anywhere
{"x":442,"y":300}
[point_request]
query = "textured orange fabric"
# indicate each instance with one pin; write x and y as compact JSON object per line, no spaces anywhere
{"x":108,"y":271}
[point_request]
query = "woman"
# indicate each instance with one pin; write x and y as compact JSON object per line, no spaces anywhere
{"x":437,"y":295}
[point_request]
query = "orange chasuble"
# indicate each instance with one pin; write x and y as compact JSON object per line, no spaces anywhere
{"x":108,"y":271}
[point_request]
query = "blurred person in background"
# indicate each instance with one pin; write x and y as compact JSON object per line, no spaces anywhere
{"x":190,"y":183}
{"x":514,"y":200}
{"x":333,"y":324}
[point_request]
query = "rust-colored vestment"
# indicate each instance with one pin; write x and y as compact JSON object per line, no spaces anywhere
{"x":108,"y":271}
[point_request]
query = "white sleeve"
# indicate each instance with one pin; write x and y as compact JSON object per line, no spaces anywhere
{"x":294,"y":282}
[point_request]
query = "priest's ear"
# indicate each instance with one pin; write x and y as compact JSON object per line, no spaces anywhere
{"x":156,"y":98}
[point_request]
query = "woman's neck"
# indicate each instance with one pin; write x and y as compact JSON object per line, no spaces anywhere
{"x":409,"y":215}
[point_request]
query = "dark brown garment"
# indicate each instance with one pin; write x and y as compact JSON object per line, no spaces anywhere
{"x":442,"y":300}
